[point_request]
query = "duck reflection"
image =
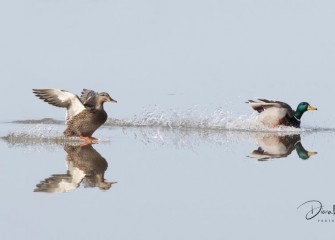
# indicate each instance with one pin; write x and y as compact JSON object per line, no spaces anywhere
{"x":85,"y":166}
{"x":275,"y":146}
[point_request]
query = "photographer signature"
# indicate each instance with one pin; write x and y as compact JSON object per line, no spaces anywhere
{"x":315,"y":208}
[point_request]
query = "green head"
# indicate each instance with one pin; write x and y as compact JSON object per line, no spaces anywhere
{"x":303,"y":107}
{"x":302,"y":153}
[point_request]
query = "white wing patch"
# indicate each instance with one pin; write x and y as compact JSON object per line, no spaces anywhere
{"x":61,"y":98}
{"x":74,"y":105}
{"x":74,"y":108}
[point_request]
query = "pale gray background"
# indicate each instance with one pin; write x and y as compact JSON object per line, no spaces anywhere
{"x":208,"y":53}
{"x":173,"y":54}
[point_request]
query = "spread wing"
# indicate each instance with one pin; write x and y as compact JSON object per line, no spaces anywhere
{"x":59,"y":183}
{"x":56,"y":183}
{"x":61,"y":98}
{"x":265,"y":104}
{"x":89,"y":97}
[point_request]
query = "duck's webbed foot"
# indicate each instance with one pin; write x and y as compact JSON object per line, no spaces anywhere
{"x":88,"y":140}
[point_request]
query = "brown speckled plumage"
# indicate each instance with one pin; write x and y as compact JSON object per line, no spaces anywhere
{"x":85,"y":167}
{"x":84,"y":115}
{"x":86,"y":122}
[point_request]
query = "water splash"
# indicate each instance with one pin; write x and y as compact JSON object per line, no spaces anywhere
{"x":219,"y":120}
{"x":157,"y":127}
{"x":198,"y":119}
{"x":39,"y":135}
{"x":192,"y":138}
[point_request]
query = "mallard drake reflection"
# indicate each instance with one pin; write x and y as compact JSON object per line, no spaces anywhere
{"x":85,"y":165}
{"x":84,"y":115}
{"x":275,"y":113}
{"x":274,"y":146}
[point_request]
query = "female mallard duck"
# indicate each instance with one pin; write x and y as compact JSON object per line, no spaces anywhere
{"x":84,"y":165}
{"x":274,"y":113}
{"x":84,"y":115}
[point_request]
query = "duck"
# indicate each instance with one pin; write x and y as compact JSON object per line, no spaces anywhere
{"x":276,"y":113}
{"x":85,"y":166}
{"x":84,"y":114}
{"x":275,"y":146}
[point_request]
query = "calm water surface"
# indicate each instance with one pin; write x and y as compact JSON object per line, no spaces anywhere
{"x":171,"y":184}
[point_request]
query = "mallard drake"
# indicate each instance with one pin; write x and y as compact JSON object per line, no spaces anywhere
{"x":274,"y":146}
{"x":84,"y":115}
{"x":275,"y":113}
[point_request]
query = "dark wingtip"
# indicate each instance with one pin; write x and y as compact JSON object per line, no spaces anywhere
{"x":36,"y":92}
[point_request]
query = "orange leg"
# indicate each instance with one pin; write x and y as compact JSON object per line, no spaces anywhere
{"x":88,"y":140}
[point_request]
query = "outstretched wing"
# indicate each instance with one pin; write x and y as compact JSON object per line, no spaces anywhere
{"x":265,"y":104}
{"x":89,"y":97}
{"x":290,"y":111}
{"x":57,"y":183}
{"x":61,"y":98}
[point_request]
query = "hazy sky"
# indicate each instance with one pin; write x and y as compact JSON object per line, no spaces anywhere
{"x":173,"y":54}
